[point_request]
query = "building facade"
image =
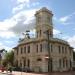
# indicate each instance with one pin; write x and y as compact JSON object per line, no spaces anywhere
{"x":44,"y":52}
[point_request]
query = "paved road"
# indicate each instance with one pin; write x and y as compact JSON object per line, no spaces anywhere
{"x":2,"y":74}
{"x":23,"y":73}
{"x":60,"y":73}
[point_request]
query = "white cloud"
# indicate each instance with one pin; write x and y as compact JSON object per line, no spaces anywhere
{"x":6,"y":34}
{"x":6,"y":24}
{"x":23,"y":1}
{"x":56,"y":32}
{"x":18,"y":23}
{"x":25,"y":21}
{"x":71,"y":40}
{"x":36,"y":3}
{"x":22,"y":4}
{"x":8,"y":42}
{"x":65,"y":37}
{"x":18,"y":8}
{"x":65,"y":20}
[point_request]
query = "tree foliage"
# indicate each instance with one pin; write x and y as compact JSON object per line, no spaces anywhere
{"x":9,"y":58}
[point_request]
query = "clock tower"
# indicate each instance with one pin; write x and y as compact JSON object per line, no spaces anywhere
{"x":44,"y":23}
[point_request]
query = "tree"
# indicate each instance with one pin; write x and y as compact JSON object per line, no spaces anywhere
{"x":1,"y":55}
{"x":9,"y":58}
{"x":4,"y":62}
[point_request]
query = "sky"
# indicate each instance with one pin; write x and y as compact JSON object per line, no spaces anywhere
{"x":17,"y":16}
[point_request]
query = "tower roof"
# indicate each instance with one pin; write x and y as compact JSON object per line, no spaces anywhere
{"x":44,"y":9}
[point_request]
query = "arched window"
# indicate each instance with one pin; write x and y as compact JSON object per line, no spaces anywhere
{"x":63,"y":62}
{"x":21,"y":50}
{"x":28,"y":63}
{"x":28,"y":49}
{"x":24,"y":62}
{"x":24,"y":49}
{"x":59,"y":63}
{"x":37,"y":48}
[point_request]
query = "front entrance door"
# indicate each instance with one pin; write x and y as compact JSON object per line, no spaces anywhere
{"x":50,"y":65}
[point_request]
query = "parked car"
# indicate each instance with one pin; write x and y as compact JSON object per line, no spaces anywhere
{"x":26,"y":69}
{"x":2,"y":68}
{"x":16,"y":69}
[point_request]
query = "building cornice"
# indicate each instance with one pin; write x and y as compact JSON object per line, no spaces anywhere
{"x":35,"y":40}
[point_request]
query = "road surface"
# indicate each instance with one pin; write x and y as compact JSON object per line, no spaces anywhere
{"x":23,"y":73}
{"x":3,"y":74}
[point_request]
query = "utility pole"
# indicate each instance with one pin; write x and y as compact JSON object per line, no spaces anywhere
{"x":22,"y":65}
{"x":49,"y":55}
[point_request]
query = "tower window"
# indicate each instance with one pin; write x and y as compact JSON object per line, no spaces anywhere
{"x":37,"y":48}
{"x":40,"y":47}
{"x":48,"y":19}
{"x":37,"y":34}
{"x":39,"y":18}
{"x":40,"y":32}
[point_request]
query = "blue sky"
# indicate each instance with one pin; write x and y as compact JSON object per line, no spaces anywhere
{"x":17,"y":16}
